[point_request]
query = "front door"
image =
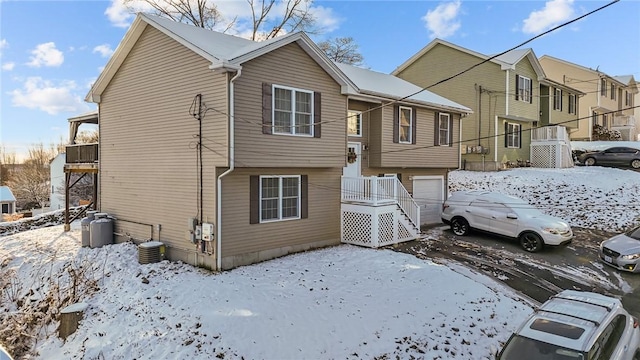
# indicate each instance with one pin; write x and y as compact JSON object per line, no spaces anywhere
{"x":353,"y":165}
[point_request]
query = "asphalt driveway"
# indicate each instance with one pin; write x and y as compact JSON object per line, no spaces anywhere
{"x":538,"y":275}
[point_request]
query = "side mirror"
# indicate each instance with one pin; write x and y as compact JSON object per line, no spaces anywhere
{"x":512,"y":216}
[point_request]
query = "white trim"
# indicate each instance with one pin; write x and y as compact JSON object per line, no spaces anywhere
{"x":511,"y":135}
{"x":293,"y":110}
{"x":508,"y":95}
{"x":355,"y":112}
{"x":448,"y":128}
{"x":410,"y":135}
{"x":280,"y":198}
{"x":495,"y":140}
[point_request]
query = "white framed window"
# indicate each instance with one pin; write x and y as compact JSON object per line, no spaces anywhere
{"x":405,"y":124}
{"x":279,"y":197}
{"x":524,"y":88}
{"x":603,"y":87}
{"x":354,"y":123}
{"x":513,"y":135}
{"x":572,"y":104}
{"x":605,"y":120}
{"x":594,"y":118}
{"x":443,"y":129}
{"x":292,"y":111}
{"x":557,"y":99}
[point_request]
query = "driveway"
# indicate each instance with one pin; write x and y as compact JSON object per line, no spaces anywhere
{"x":538,"y":275}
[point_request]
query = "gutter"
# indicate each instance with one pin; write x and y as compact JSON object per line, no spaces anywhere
{"x":231,"y":167}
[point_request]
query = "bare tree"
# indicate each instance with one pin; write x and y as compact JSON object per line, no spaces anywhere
{"x":8,"y":163}
{"x":269,"y":18}
{"x":30,"y":184}
{"x":343,"y":50}
{"x":87,"y":137}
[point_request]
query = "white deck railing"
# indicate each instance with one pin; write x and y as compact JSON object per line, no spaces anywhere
{"x":549,"y":133}
{"x":377,"y":191}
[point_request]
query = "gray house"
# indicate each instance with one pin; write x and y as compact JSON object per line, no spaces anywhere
{"x":7,"y":200}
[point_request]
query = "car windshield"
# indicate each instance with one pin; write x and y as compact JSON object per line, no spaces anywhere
{"x":634,"y":234}
{"x":522,"y":348}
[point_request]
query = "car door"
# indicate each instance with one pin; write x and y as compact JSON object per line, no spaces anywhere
{"x":479,"y":214}
{"x":504,"y":221}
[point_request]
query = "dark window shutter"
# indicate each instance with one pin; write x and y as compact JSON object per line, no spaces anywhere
{"x":520,"y":136}
{"x":254,"y":199}
{"x":506,"y":133}
{"x":561,"y":98}
{"x":304,"y":196}
{"x":517,"y":87}
{"x":396,"y":124}
{"x":414,"y":124}
{"x":266,"y":108}
{"x":450,"y":129}
{"x":531,"y":91}
{"x":317,"y":107}
{"x":436,"y":129}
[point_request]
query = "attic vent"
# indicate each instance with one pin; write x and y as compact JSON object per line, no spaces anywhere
{"x":150,"y":252}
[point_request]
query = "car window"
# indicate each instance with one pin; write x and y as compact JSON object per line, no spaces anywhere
{"x":523,"y":348}
{"x":635,"y":233}
{"x":608,"y":340}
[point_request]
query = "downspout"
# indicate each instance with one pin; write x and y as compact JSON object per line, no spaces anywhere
{"x":495,"y":141}
{"x":231,"y":168}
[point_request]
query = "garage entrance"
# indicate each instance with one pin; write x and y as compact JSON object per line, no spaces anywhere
{"x":428,"y":193}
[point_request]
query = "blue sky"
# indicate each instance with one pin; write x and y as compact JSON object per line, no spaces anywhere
{"x":51,"y":51}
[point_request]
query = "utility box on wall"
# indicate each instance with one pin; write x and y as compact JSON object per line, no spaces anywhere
{"x":207,"y":232}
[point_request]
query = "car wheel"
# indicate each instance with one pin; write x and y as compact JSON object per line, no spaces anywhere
{"x":531,"y":242}
{"x":460,"y":226}
{"x":590,"y":161}
{"x":635,"y":164}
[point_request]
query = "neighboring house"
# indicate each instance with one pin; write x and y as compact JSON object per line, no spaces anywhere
{"x":231,"y":151}
{"x":509,"y":95}
{"x":608,"y":100}
{"x":636,"y":109}
{"x":7,"y":201}
{"x":56,"y":170}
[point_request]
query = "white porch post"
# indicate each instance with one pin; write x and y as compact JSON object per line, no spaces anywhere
{"x":374,"y":190}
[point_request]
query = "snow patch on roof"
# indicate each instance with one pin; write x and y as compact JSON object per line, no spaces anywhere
{"x":373,"y":82}
{"x":6,"y":194}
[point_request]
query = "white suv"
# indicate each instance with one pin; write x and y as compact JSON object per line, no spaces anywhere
{"x":504,"y":215}
{"x":575,"y":325}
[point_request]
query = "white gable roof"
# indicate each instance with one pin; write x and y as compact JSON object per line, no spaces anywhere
{"x":6,"y":195}
{"x":506,"y":61}
{"x":389,"y":86}
{"x":225,"y":52}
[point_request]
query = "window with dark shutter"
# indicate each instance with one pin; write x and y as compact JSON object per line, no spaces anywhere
{"x":266,"y":108}
{"x":517,"y":87}
{"x":396,"y":124}
{"x":277,"y":197}
{"x":317,"y":121}
{"x":414,"y":125}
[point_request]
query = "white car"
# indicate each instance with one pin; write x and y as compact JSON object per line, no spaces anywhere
{"x":576,"y":325}
{"x":504,"y":215}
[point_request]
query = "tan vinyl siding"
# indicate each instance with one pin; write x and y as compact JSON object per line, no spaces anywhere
{"x":148,"y":158}
{"x":441,"y":62}
{"x":559,"y":117}
{"x":580,"y":79}
{"x":288,"y":66}
{"x":423,"y":153}
{"x":376,"y":138}
{"x":520,"y":108}
{"x":322,"y":225}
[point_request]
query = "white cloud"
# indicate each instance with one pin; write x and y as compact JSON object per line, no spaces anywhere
{"x":104,"y":50}
{"x":554,"y":13}
{"x":443,"y":20}
{"x":325,"y":18}
{"x":38,"y":93}
{"x":46,"y":55}
{"x":8,"y":66}
{"x":118,"y":14}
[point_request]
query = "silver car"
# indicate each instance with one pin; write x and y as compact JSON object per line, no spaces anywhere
{"x":576,"y":325}
{"x":622,"y":251}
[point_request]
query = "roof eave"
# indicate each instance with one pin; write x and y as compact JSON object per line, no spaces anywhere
{"x":382,"y":96}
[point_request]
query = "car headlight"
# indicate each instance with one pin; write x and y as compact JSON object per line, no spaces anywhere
{"x":631,"y":257}
{"x":553,"y":231}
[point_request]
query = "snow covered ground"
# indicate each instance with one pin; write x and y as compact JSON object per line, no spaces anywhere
{"x":343,"y":302}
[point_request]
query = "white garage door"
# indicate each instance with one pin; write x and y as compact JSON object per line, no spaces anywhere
{"x":428,"y":192}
